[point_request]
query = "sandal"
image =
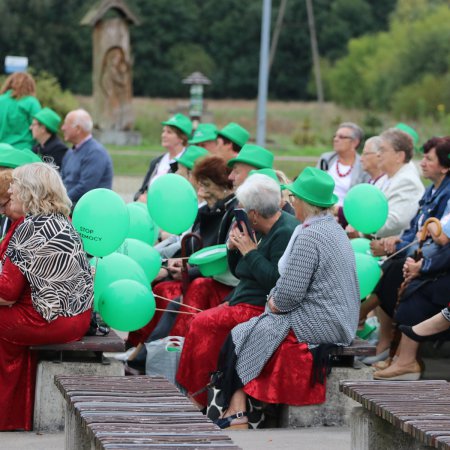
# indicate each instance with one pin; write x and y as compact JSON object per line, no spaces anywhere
{"x":237,"y":421}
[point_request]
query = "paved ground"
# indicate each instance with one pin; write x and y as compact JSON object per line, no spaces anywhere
{"x":276,"y":439}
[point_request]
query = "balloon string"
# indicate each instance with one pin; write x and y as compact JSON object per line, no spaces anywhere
{"x":401,"y":250}
{"x":178,"y":303}
{"x":176,"y":312}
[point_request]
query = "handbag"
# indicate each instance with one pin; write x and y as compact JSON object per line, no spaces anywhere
{"x":163,"y":357}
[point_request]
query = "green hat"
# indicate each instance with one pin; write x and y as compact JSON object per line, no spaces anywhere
{"x":411,"y":131}
{"x":315,"y":187}
{"x":181,"y":122}
{"x":211,"y":260}
{"x":49,"y":119}
{"x":192,"y":153}
{"x":267,"y":172}
{"x":253,"y":155}
{"x":13,"y":157}
{"x":204,"y":132}
{"x":235,"y":133}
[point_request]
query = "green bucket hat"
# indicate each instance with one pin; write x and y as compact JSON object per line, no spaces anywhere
{"x":235,"y":133}
{"x":13,"y":157}
{"x":192,"y":153}
{"x":204,"y":132}
{"x":411,"y":131}
{"x":211,"y":260}
{"x":49,"y":119}
{"x":314,"y":186}
{"x":181,"y":122}
{"x":253,"y":155}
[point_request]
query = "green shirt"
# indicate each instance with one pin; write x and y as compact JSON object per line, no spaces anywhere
{"x":16,"y":116}
{"x":258,"y":270}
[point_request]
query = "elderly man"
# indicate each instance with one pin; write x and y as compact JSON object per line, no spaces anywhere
{"x":88,"y":165}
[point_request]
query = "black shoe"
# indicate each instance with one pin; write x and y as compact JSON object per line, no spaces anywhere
{"x":408,"y":331}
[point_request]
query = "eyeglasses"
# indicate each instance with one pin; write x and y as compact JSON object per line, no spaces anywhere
{"x":368,"y":153}
{"x":340,"y":136}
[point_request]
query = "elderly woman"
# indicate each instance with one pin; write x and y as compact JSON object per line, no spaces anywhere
{"x":316,"y":297}
{"x":255,"y":264}
{"x":174,"y":138}
{"x":18,"y":104}
{"x":45,"y":286}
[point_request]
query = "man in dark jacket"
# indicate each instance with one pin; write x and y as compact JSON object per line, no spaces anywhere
{"x":44,"y":127}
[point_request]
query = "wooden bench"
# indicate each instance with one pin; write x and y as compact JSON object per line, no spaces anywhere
{"x":336,"y":410}
{"x":400,"y":415}
{"x":83,"y":357}
{"x":134,"y":412}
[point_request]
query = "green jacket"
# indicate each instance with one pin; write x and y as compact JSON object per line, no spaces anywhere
{"x":258,"y":270}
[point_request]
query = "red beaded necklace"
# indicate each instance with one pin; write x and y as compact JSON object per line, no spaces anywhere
{"x":340,"y":174}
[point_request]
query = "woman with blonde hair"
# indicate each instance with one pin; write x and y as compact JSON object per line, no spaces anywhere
{"x":18,"y":105}
{"x":46,"y":287}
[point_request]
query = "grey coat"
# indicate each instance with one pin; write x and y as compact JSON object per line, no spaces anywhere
{"x":317,"y":295}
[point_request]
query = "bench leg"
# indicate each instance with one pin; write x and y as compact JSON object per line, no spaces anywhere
{"x":75,"y":434}
{"x":370,"y":432}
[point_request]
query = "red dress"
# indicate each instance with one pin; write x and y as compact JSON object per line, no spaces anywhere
{"x":21,"y":326}
{"x":202,"y":293}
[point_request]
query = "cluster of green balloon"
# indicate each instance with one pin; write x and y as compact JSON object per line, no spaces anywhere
{"x":365,"y":208}
{"x":122,"y":292}
{"x":172,"y":203}
{"x":102,"y":220}
{"x":368,"y":272}
{"x":362,"y":245}
{"x":142,"y":226}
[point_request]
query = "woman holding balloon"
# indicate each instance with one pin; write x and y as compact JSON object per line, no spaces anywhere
{"x":45,"y":286}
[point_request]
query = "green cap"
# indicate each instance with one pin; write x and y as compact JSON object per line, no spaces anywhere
{"x":314,"y":186}
{"x":204,"y":132}
{"x":13,"y":157}
{"x":181,"y":122}
{"x":411,"y":131}
{"x":192,"y":153}
{"x":235,"y":133}
{"x":49,"y":119}
{"x":253,"y":155}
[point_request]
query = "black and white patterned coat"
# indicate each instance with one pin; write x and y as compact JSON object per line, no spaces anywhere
{"x":317,"y":295}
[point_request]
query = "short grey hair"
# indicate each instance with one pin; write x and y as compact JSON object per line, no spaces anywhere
{"x":357,"y":132}
{"x":260,"y":193}
{"x":83,"y":119}
{"x":400,"y":141}
{"x":375,"y":142}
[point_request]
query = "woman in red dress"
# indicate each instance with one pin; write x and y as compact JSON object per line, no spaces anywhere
{"x":46,"y":287}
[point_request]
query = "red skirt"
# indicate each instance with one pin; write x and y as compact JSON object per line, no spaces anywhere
{"x":286,"y":377}
{"x":207,"y":332}
{"x":20,"y":327}
{"x":203,"y":293}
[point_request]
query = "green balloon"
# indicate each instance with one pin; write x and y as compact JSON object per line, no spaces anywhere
{"x":101,"y":218}
{"x":362,"y":245}
{"x":142,"y":226}
{"x":365,"y":208}
{"x":112,"y":268}
{"x":172,"y":203}
{"x":127,"y":305}
{"x":368,"y":272}
{"x":145,"y":255}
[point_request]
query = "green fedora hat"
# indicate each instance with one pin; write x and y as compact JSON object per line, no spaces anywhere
{"x":49,"y":119}
{"x":204,"y":132}
{"x":181,"y":122}
{"x":411,"y":131}
{"x":13,"y":157}
{"x":235,"y":133}
{"x":267,"y":172}
{"x":211,"y":260}
{"x":314,"y":186}
{"x":253,"y":155}
{"x":192,"y":153}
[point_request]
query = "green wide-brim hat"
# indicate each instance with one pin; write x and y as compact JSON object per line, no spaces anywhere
{"x":192,"y":153}
{"x":49,"y":118}
{"x":411,"y":131}
{"x":314,"y":186}
{"x":211,"y":260}
{"x":13,"y":157}
{"x":253,"y":155}
{"x":181,"y":122}
{"x":268,"y":173}
{"x":205,"y":132}
{"x":235,"y":133}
